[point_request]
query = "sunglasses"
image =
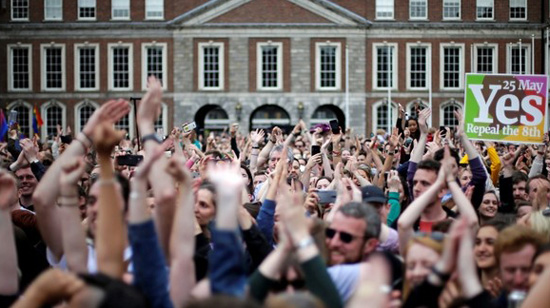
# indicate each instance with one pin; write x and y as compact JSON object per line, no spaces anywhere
{"x":344,"y":236}
{"x":281,"y":285}
{"x":436,"y":235}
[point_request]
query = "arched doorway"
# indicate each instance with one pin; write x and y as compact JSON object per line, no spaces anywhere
{"x":325,"y":113}
{"x":211,"y":117}
{"x":267,"y":116}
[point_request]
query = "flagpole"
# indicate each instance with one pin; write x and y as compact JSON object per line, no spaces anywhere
{"x":520,"y":58}
{"x":347,"y":87}
{"x":532,"y":53}
{"x":390,"y":84}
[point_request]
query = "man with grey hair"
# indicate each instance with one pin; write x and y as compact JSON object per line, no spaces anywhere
{"x":276,"y":154}
{"x":353,"y":233}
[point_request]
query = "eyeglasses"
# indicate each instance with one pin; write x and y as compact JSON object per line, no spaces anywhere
{"x":436,"y":235}
{"x":344,"y":236}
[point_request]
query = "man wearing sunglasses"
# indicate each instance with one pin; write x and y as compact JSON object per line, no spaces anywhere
{"x":353,"y":233}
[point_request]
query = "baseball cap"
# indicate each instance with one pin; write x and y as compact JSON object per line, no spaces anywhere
{"x":372,"y":193}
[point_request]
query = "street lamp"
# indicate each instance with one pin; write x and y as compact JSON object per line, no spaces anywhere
{"x":238,"y":111}
{"x":300,"y":110}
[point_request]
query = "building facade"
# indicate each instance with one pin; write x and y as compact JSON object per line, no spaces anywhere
{"x":261,"y":62}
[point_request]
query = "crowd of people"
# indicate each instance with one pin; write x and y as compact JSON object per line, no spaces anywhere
{"x":314,"y":217}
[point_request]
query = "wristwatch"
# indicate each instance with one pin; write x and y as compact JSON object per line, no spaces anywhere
{"x":152,"y":136}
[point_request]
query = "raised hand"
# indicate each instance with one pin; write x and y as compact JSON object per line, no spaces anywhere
{"x":8,"y":190}
{"x":460,"y":127}
{"x":393,"y":181}
{"x":394,"y":139}
{"x":106,"y":137}
{"x":257,"y":136}
{"x":150,"y":105}
{"x":30,"y":150}
{"x":423,"y":120}
{"x":110,"y":113}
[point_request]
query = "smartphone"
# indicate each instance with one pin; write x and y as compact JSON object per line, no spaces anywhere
{"x":408,"y":141}
{"x":129,"y":160}
{"x":334,"y":126}
{"x":327,"y":196}
{"x":442,"y":131}
{"x":315,"y":149}
{"x":189,"y":127}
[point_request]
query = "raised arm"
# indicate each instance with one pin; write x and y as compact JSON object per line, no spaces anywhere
{"x":414,"y":210}
{"x":111,"y":231}
{"x":9,"y":278}
{"x":418,"y":150}
{"x":163,"y":185}
{"x":47,"y":191}
{"x":73,"y":234}
{"x":182,"y":239}
{"x":255,"y":138}
{"x":271,"y":141}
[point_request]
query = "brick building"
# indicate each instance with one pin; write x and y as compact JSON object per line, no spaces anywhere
{"x":260,"y":62}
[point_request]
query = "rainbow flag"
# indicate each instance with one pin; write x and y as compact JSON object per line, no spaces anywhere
{"x":3,"y":125}
{"x":36,"y":120}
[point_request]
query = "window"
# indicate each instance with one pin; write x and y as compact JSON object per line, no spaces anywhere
{"x":418,"y":66}
{"x":19,"y":67}
{"x":270,"y":68}
{"x":452,"y":66}
{"x":86,"y":67}
{"x":328,"y":62}
{"x":418,"y":9}
{"x":384,"y":9}
{"x":120,"y":67}
{"x":384,"y":66}
{"x":211,"y":66}
{"x":127,"y":123}
{"x":519,"y":60}
{"x":83,"y":112}
{"x":53,"y":9}
{"x":518,"y":9}
{"x":484,"y":9}
{"x":485,"y":59}
{"x":20,"y":10}
{"x":154,"y":9}
{"x":53,"y":114}
{"x":24,"y":116}
{"x":120,"y":9}
{"x":53,"y":67}
{"x":86,"y":9}
{"x":381,"y":116}
{"x":154,"y":63}
{"x":451,"y":9}
{"x":447,"y":114}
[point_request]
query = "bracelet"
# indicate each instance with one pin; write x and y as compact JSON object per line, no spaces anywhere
{"x":305,"y":243}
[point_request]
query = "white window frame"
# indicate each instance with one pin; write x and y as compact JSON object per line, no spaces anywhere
{"x":20,"y":19}
{"x":379,"y":3}
{"x":221,"y":65}
{"x":111,"y":80}
{"x":113,"y":7}
{"x":518,"y":19}
{"x":418,"y":18}
{"x":392,"y":116}
{"x":86,"y":18}
{"x":43,"y":65}
{"x":375,"y":65}
{"x":44,"y":113}
{"x":147,"y":3}
{"x":77,"y":108}
{"x":131,"y":123}
{"x":338,"y":77}
{"x":10,"y":67}
{"x":77,"y":48}
{"x":428,"y":48}
{"x":442,"y":108}
{"x":144,"y":63}
{"x":50,"y":18}
{"x":26,"y":105}
{"x":442,"y":65}
{"x":485,"y":18}
{"x":528,"y":59}
{"x":459,"y":10}
{"x":280,"y":62}
{"x":495,"y":56}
